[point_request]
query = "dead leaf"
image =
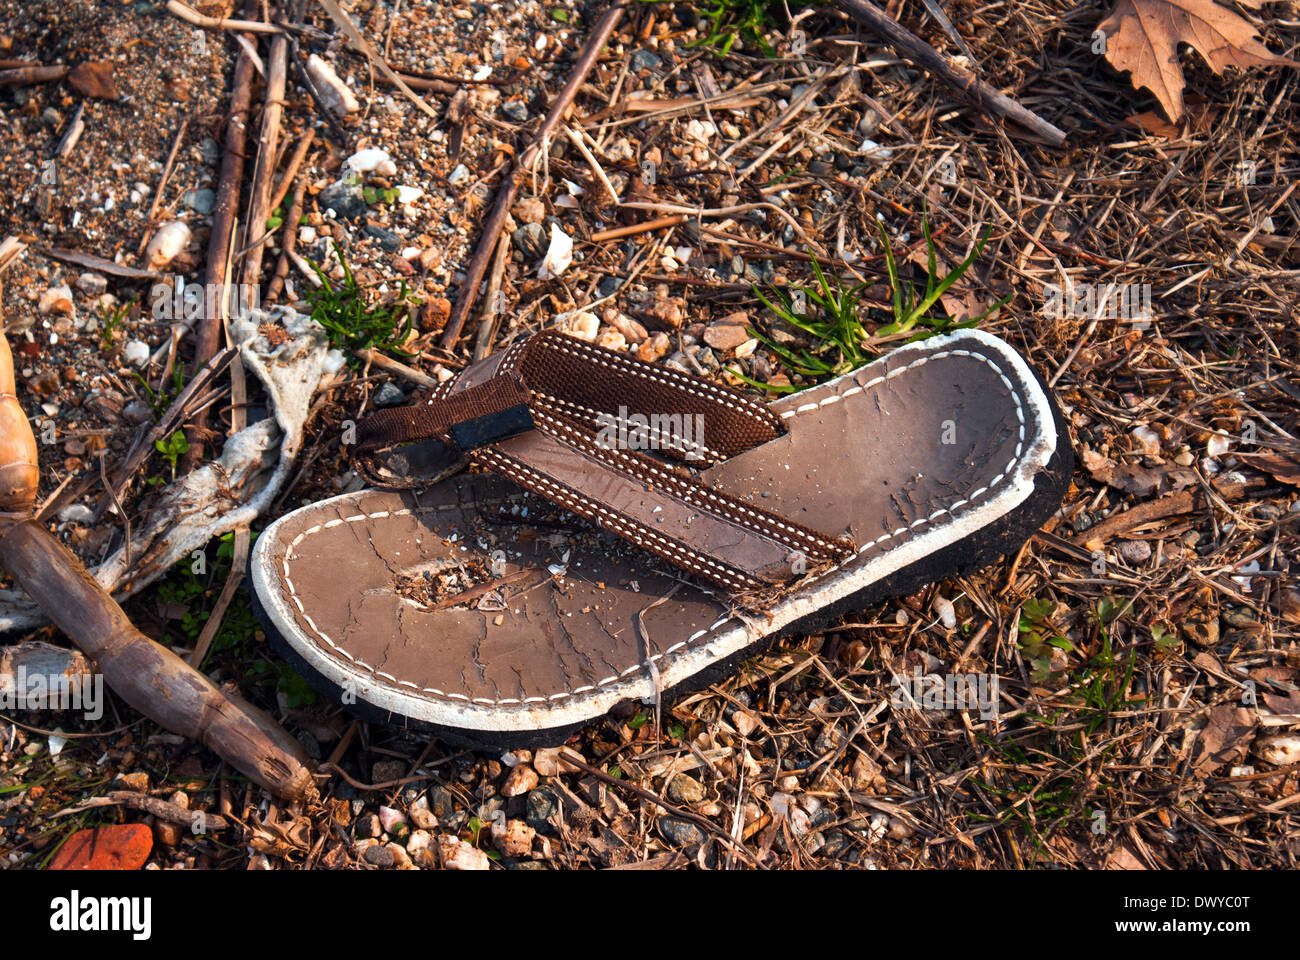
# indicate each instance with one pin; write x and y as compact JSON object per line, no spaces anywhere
{"x":1225,"y":739}
{"x":1123,"y":858}
{"x":1272,"y":685}
{"x":1134,"y":478}
{"x":1280,"y":468}
{"x":1142,"y":36}
{"x":1154,"y":124}
{"x":94,"y":79}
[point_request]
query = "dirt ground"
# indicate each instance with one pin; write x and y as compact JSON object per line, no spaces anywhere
{"x":1145,"y":640}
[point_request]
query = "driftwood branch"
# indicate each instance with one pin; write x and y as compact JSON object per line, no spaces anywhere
{"x":148,"y":676}
{"x":510,"y":187}
{"x":987,"y":98}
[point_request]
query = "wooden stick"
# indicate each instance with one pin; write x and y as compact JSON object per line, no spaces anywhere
{"x":287,"y":244}
{"x":36,"y":73}
{"x":223,"y":222}
{"x":396,"y":367}
{"x":614,"y":233}
{"x":488,"y":325}
{"x":259,"y":201}
{"x":510,"y":188}
{"x":291,"y":170}
{"x":190,"y":15}
{"x":981,"y":94}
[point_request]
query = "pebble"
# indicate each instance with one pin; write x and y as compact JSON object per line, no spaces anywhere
{"x":664,"y":314}
{"x":368,"y":825}
{"x":137,"y":780}
{"x":92,"y":283}
{"x":1148,"y":440}
{"x":1279,"y":749}
{"x":700,"y":131}
{"x":515,"y":110}
{"x":370,"y":160}
{"x":947,"y":614}
{"x":441,"y":801}
{"x":1135,"y":551}
{"x":539,"y":807}
{"x":456,"y":854}
{"x":655,"y":348}
{"x":459,"y":176}
{"x":726,"y":336}
{"x":379,"y":855}
{"x":513,"y":838}
{"x":529,"y":210}
{"x":334,"y":93}
{"x":875,"y":151}
{"x":549,"y":762}
{"x":1217,"y":446}
{"x":680,"y":832}
{"x":644,"y":60}
{"x":420,"y":814}
{"x":345,"y":199}
{"x":419,"y":840}
{"x":530,"y":240}
{"x":513,"y":758}
{"x":632,"y":331}
{"x":684,"y":789}
{"x":611,"y":339}
{"x":582,"y":325}
{"x":200,"y":201}
{"x":168,"y":834}
{"x":390,"y":241}
{"x":391,"y":820}
{"x":522,"y":779}
{"x":136,"y":353}
{"x":76,"y":513}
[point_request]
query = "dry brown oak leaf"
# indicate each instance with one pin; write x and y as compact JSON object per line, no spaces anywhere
{"x":1142,"y":36}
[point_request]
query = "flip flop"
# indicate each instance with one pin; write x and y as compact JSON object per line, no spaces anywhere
{"x":633,"y":532}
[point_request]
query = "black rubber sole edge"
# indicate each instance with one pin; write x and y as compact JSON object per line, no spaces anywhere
{"x":968,"y":555}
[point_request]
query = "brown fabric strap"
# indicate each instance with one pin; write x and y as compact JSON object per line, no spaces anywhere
{"x":424,"y":421}
{"x":581,"y":403}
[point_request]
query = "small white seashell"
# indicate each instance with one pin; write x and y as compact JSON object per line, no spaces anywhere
{"x":170,"y":240}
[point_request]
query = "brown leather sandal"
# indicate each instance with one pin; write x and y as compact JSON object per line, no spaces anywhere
{"x":640,"y":530}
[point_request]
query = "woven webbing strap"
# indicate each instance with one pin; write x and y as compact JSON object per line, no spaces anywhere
{"x":569,"y":420}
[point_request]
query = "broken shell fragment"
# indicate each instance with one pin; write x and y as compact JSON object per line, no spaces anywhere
{"x":170,"y":240}
{"x":333,"y":91}
{"x":56,"y":300}
{"x":558,"y":256}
